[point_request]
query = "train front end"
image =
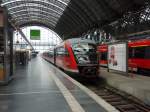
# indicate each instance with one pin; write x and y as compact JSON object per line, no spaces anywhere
{"x":86,"y":58}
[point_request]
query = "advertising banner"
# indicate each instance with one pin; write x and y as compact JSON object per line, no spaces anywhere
{"x":117,"y":57}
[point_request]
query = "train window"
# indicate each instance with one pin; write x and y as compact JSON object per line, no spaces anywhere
{"x":131,"y":52}
{"x":85,"y":53}
{"x":139,"y":52}
{"x":58,"y":52}
{"x":1,"y":59}
{"x":103,"y":56}
{"x":61,"y":51}
{"x":83,"y":48}
{"x":51,"y":54}
{"x":147,"y":52}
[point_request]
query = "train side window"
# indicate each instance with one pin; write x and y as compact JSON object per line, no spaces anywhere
{"x":57,"y":52}
{"x":51,"y":54}
{"x":147,"y":52}
{"x":131,"y":52}
{"x":139,"y":52}
{"x":66,"y":52}
{"x":1,"y":59}
{"x":61,"y":51}
{"x":103,"y":56}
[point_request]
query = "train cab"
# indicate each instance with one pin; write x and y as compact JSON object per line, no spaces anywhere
{"x":77,"y":56}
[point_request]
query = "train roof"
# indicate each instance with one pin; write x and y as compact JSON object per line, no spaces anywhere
{"x":81,"y":40}
{"x":141,"y":42}
{"x":77,"y":40}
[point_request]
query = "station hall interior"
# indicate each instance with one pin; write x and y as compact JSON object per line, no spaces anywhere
{"x":74,"y":55}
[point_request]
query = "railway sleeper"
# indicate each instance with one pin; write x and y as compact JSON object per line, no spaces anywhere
{"x":110,"y":96}
{"x":143,"y":108}
{"x":115,"y":103}
{"x":129,"y":98}
{"x":113,"y":99}
{"x":127,"y":108}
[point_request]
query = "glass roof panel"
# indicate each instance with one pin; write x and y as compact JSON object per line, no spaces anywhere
{"x":32,"y":8}
{"x":35,"y":4}
{"x":36,"y":10}
{"x":35,"y":20}
{"x":59,"y":3}
{"x":36,"y":14}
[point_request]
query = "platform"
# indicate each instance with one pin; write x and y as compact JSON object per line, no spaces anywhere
{"x":137,"y":86}
{"x":41,"y":87}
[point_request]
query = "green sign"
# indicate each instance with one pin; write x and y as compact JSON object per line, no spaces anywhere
{"x":35,"y":34}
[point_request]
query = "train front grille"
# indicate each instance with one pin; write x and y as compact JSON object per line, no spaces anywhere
{"x":88,"y":70}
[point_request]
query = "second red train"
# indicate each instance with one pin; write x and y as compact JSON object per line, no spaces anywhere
{"x":138,"y":57}
{"x":76,"y":56}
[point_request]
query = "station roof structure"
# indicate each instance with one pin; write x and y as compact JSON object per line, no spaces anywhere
{"x":69,"y":17}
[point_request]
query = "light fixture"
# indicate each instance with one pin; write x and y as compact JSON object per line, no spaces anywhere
{"x":17,"y":42}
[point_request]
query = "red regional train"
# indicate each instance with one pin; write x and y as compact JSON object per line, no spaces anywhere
{"x":75,"y":56}
{"x":139,"y":55}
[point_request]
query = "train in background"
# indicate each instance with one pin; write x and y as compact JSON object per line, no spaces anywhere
{"x":138,"y":55}
{"x":77,"y":56}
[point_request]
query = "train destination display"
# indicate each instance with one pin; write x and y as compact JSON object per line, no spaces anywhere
{"x":35,"y":34}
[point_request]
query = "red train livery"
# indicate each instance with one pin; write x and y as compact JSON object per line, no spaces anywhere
{"x":76,"y":56}
{"x":139,"y":55}
{"x":103,"y":55}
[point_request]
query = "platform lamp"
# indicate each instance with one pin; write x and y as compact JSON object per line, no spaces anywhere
{"x":21,"y":42}
{"x":17,"y":42}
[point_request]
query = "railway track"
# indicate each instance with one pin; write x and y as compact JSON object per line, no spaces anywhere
{"x":120,"y":100}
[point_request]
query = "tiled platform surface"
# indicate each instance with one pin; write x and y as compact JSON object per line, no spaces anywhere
{"x":41,"y":87}
{"x":138,"y":86}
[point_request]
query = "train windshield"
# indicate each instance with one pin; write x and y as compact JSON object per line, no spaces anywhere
{"x":85,"y":53}
{"x":83,"y":48}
